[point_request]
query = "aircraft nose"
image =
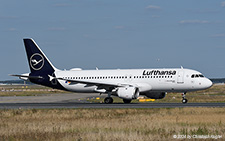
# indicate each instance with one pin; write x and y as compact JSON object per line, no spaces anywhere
{"x":208,"y":83}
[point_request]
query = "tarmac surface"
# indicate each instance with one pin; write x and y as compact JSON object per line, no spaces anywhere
{"x":75,"y":100}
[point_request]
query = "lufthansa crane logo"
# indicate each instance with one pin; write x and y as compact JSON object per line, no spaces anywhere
{"x":36,"y":61}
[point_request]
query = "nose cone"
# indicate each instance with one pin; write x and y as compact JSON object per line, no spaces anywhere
{"x":208,"y":83}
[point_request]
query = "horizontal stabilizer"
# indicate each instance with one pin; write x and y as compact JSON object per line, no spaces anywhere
{"x":25,"y":77}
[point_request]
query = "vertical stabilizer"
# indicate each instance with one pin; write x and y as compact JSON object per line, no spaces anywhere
{"x":38,"y":62}
{"x":42,"y":70}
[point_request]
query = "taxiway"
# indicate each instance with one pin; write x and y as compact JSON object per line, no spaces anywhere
{"x":74,"y":100}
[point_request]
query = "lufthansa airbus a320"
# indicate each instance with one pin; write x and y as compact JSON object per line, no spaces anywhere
{"x":127,"y":84}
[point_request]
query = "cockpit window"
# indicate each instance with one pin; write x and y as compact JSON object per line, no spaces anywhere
{"x":196,"y":75}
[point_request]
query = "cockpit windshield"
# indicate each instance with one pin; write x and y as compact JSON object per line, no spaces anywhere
{"x":196,"y":75}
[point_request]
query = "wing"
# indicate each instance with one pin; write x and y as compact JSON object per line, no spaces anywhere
{"x":101,"y":85}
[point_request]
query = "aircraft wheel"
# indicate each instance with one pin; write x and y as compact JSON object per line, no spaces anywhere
{"x":108,"y":100}
{"x":126,"y":101}
{"x":184,"y":100}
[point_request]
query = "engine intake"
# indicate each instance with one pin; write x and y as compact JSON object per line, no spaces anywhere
{"x":128,"y":93}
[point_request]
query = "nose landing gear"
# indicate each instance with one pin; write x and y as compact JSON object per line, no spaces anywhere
{"x":184,"y":100}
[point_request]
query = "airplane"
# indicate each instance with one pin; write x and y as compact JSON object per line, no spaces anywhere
{"x":126,"y":84}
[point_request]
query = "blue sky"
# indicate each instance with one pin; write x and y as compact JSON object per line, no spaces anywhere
{"x":115,"y":34}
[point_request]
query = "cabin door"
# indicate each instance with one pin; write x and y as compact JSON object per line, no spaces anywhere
{"x":180,"y":77}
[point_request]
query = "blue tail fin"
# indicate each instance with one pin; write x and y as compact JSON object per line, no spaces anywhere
{"x":41,"y":68}
{"x":38,"y":62}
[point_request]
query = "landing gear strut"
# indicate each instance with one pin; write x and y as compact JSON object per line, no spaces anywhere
{"x":109,"y":99}
{"x":184,"y":100}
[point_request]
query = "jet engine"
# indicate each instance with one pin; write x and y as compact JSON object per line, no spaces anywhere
{"x":128,"y":93}
{"x":156,"y":95}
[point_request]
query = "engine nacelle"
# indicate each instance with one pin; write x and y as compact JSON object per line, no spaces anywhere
{"x":128,"y":93}
{"x":156,"y":95}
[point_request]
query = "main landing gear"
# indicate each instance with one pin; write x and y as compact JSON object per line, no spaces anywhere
{"x":126,"y":101}
{"x":184,"y":100}
{"x":108,"y":100}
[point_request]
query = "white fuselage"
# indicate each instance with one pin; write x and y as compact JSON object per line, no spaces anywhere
{"x":163,"y":80}
{"x":127,"y":84}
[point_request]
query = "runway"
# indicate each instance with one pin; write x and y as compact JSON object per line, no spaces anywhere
{"x":102,"y":105}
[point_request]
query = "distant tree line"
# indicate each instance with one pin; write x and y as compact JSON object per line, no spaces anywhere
{"x":218,"y":80}
{"x":9,"y":82}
